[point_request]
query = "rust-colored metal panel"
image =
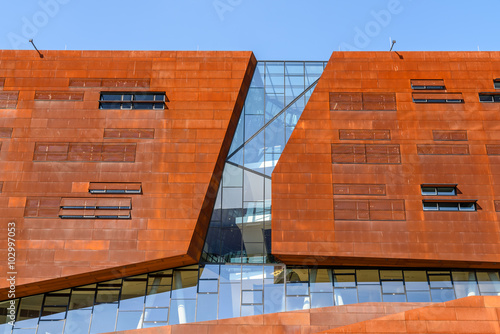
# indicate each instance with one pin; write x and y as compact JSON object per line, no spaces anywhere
{"x":58,"y":150}
{"x":334,"y":128}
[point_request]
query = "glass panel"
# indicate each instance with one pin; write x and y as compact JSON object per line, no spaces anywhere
{"x":430,"y":206}
{"x":253,"y":123}
{"x":129,"y":320}
{"x":111,"y":97}
{"x":232,"y":198}
{"x":206,"y":286}
{"x":103,"y":318}
{"x":446,"y":191}
{"x":209,"y":271}
{"x":367,"y":277}
{"x":107,"y":296}
{"x":254,"y":153}
{"x":207,"y":307}
{"x":143,"y":105}
{"x":24,"y":331}
{"x":345,"y":281}
{"x":254,"y":103}
{"x":238,"y":135}
{"x":440,"y":281}
{"x":230,"y":273}
{"x":297,"y":289}
{"x":144,"y":97}
{"x":182,"y":311}
{"x":229,"y":300}
{"x":391,"y":274}
{"x":489,"y":282}
{"x":467,"y":206}
{"x":369,"y":293}
{"x":294,"y":68}
{"x":110,"y":105}
{"x":133,"y":292}
{"x":344,"y":296}
{"x":156,"y":314}
{"x":184,"y":285}
{"x":274,"y":296}
{"x":416,"y":280}
{"x":393,"y":287}
{"x":253,"y":187}
{"x":418,"y":296}
{"x":51,"y":327}
{"x":248,"y":310}
{"x":53,"y":313}
{"x":127,"y":97}
{"x":394,"y":298}
{"x":251,"y":297}
{"x":445,"y":206}
{"x":321,"y":280}
{"x":78,"y":321}
{"x":28,"y":312}
{"x":57,"y":299}
{"x":258,"y":76}
{"x":232,"y":176}
{"x":442,"y":295}
{"x":297,"y":303}
{"x":466,"y":289}
{"x":321,"y":300}
{"x":158,"y":296}
{"x":252,"y":277}
{"x":427,"y":191}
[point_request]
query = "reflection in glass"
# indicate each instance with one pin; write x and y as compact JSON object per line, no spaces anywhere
{"x":345,"y":296}
{"x":229,"y":300}
{"x":182,"y":311}
{"x":129,"y":320}
{"x":51,"y":327}
{"x":78,"y":321}
{"x":103,"y":318}
{"x":207,"y":307}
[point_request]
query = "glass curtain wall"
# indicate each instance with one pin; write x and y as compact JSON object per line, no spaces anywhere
{"x":213,"y":291}
{"x":240,"y":228}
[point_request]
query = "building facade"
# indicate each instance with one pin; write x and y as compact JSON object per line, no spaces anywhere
{"x":211,"y":192}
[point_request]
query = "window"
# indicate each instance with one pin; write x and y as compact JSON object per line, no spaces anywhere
{"x":132,"y":100}
{"x":115,"y":188}
{"x":426,"y":84}
{"x":439,"y":190}
{"x":467,"y":205}
{"x":489,"y":97}
{"x":496,"y":82}
{"x":95,"y":208}
{"x":437,"y":98}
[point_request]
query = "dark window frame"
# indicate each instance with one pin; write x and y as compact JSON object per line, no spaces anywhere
{"x":133,"y":102}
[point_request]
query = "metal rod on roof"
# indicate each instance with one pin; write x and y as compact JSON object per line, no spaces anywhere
{"x":39,"y":53}
{"x":393,"y":42}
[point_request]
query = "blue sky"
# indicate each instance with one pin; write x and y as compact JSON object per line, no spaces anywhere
{"x":273,"y":29}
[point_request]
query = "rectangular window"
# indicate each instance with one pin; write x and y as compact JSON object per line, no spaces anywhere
{"x":426,"y":84}
{"x":95,"y":208}
{"x":115,"y":188}
{"x":437,"y":98}
{"x":496,"y":82}
{"x":489,"y":97}
{"x":468,"y":205}
{"x":132,"y":100}
{"x":439,"y":190}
